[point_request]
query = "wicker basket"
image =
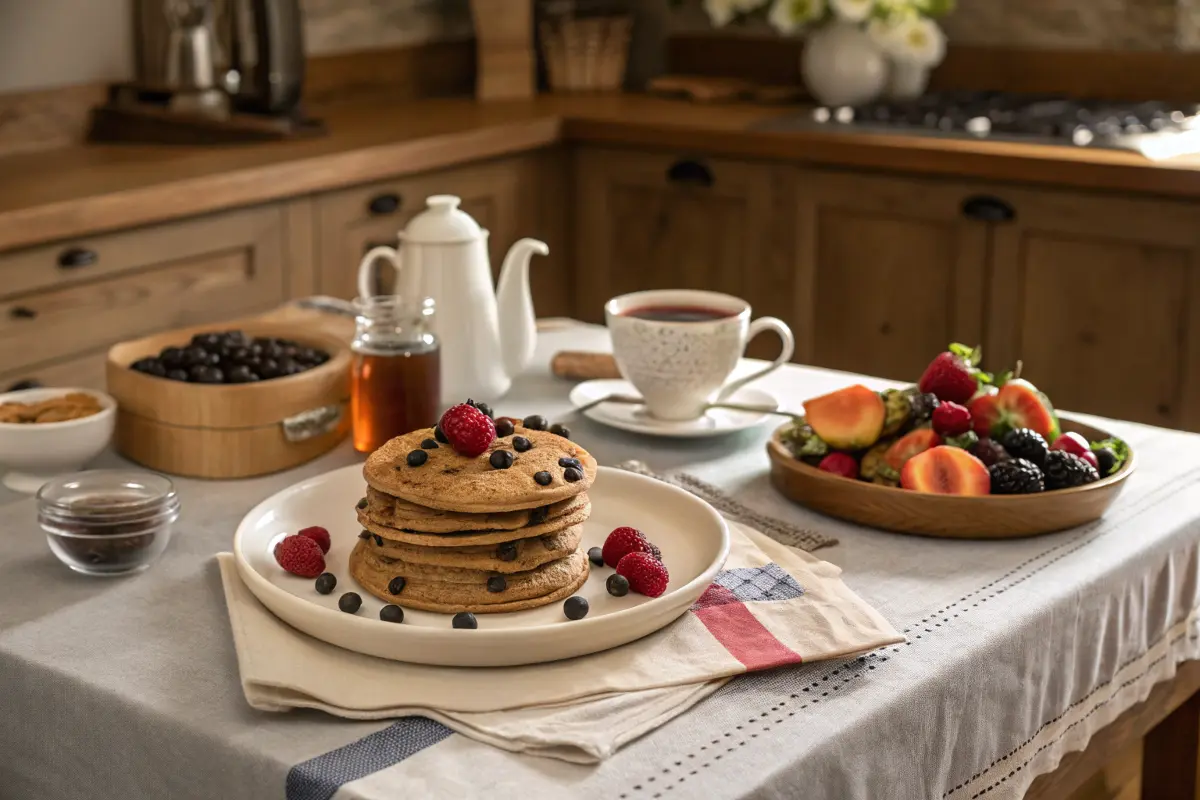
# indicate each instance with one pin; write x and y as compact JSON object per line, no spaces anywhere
{"x":586,"y":54}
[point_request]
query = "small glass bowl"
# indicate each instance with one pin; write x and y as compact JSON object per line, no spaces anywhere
{"x":108,"y":522}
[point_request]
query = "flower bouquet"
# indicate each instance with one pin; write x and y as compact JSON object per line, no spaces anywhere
{"x":853,"y":45}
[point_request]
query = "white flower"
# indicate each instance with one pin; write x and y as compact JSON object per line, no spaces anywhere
{"x":722,"y":12}
{"x":917,"y":39}
{"x":789,"y":16}
{"x":853,"y":10}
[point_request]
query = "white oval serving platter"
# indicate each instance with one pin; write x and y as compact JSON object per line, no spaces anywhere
{"x":693,"y":537}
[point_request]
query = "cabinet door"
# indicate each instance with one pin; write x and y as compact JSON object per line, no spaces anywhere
{"x":505,"y":197}
{"x":671,"y":221}
{"x":890,"y":272}
{"x":1100,"y":299}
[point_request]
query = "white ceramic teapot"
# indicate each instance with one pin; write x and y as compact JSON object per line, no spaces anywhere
{"x":487,"y":336}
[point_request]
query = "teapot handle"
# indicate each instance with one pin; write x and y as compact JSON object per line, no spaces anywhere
{"x":367,"y":265}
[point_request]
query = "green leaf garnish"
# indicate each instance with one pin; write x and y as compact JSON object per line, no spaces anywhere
{"x":972,"y":355}
{"x":1117,"y":447}
{"x":964,"y":441}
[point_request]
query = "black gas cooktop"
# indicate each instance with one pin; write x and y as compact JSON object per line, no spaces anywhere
{"x":1043,"y":119}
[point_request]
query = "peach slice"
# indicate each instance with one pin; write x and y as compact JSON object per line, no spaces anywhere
{"x":946,"y":470}
{"x":848,"y":419}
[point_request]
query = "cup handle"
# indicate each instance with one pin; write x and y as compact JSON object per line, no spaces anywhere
{"x":785,"y":354}
{"x":366,"y":267}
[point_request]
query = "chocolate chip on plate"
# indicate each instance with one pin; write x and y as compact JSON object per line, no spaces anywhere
{"x":597,"y":556}
{"x":465,"y":620}
{"x":617,"y":585}
{"x":326,"y":582}
{"x":575,"y":607}
{"x":391,"y":613}
{"x":350,"y":602}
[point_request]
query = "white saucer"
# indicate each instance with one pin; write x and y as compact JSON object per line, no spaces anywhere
{"x":692,"y":536}
{"x":635,"y":418}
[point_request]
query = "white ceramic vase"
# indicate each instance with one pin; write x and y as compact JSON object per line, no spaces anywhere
{"x":906,"y":80}
{"x":842,"y":65}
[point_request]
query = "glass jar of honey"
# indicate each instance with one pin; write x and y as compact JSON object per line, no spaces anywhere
{"x":396,"y":377}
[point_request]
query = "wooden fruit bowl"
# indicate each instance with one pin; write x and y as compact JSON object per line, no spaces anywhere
{"x":946,"y":516}
{"x":230,"y":430}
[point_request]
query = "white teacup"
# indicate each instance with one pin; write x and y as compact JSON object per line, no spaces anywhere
{"x":678,"y":347}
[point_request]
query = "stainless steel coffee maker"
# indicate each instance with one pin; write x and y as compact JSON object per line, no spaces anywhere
{"x":217,"y":56}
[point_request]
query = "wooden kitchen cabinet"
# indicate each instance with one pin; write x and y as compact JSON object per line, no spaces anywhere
{"x":512,"y":198}
{"x":665,"y":220}
{"x":889,"y":272}
{"x":62,"y":305}
{"x":1100,"y":299}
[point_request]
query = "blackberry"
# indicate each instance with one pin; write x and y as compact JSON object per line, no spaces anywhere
{"x":1065,"y":470}
{"x":1016,"y":476}
{"x":1027,"y":444}
{"x":990,"y":452}
{"x":923,"y":406}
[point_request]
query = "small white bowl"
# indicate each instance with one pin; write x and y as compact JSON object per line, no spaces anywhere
{"x":36,"y":452}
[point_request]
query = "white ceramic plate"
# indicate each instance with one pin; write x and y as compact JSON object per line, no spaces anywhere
{"x":692,"y":536}
{"x":634,"y":418}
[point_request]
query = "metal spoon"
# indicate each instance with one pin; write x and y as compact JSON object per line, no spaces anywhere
{"x":633,"y":400}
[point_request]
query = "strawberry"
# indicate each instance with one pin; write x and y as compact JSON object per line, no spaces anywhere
{"x":840,"y":464}
{"x":951,"y":419}
{"x":468,"y":430}
{"x":954,"y":375}
{"x":625,"y":540}
{"x":985,"y":413}
{"x":318,"y":535}
{"x":646,"y":574}
{"x":301,"y":556}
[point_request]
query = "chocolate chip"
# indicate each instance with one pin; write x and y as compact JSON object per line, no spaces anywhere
{"x":521,"y":444}
{"x":417,"y":457}
{"x":504,"y":427}
{"x":325,"y":582}
{"x":571,"y":475}
{"x":501,"y":459}
{"x":465,"y":620}
{"x":570,"y":462}
{"x":617,"y":585}
{"x":539,"y":515}
{"x":543,"y":478}
{"x":350,"y":602}
{"x":364,"y":535}
{"x":496,"y":583}
{"x":437,"y":434}
{"x":378,"y":540}
{"x":575,"y":607}
{"x":361,"y":503}
{"x":391,"y":613}
{"x":597,"y":556}
{"x":396,"y":584}
{"x":535,"y":422}
{"x":429,"y":444}
{"x":560,"y":430}
{"x":507,"y":551}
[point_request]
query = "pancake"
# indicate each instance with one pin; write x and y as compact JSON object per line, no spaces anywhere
{"x":467,"y":538}
{"x":541,"y":586}
{"x":383,"y":509}
{"x":451,"y":482}
{"x":526,"y":553}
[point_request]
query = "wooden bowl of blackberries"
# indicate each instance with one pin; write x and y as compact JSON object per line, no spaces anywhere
{"x":222,"y":403}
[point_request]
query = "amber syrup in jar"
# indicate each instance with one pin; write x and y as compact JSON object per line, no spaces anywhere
{"x":396,"y":376}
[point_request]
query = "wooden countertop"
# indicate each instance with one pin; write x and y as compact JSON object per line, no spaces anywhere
{"x":58,"y":194}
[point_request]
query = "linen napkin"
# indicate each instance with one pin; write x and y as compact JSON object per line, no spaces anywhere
{"x":770,"y":606}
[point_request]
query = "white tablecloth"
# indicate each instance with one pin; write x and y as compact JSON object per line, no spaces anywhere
{"x":1018,"y":651}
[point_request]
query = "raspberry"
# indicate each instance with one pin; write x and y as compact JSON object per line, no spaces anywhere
{"x":625,"y":540}
{"x":951,"y":419}
{"x":468,"y":430}
{"x":840,"y":464}
{"x":646,"y":574}
{"x":318,"y":535}
{"x":301,"y":556}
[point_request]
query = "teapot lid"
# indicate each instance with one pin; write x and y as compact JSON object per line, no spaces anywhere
{"x":442,"y":222}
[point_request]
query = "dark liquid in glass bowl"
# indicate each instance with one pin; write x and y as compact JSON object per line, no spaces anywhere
{"x":678,"y":313}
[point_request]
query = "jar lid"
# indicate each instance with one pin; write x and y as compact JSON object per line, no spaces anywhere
{"x":442,"y":222}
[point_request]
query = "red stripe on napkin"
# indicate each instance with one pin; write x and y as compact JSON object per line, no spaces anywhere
{"x":746,"y":639}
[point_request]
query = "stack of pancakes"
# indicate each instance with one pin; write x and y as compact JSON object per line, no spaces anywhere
{"x":465,"y":536}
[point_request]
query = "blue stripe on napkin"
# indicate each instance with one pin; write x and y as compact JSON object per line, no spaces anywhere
{"x":319,"y":778}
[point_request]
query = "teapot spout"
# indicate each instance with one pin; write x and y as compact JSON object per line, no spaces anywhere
{"x":514,"y":302}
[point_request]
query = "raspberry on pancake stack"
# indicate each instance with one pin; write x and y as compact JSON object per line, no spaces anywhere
{"x":474,"y":516}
